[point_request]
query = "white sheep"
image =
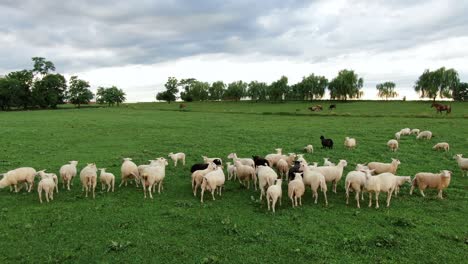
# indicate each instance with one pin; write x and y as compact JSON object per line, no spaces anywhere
{"x":244,"y":161}
{"x":326,"y":162}
{"x":314,"y":179}
{"x":361,"y":167}
{"x":405,"y":131}
{"x":384,"y":182}
{"x":414,"y":131}
{"x":231,"y":170}
{"x":54,"y":177}
{"x":309,"y":148}
{"x":380,"y":167}
{"x":313,"y":166}
{"x":350,"y":143}
{"x":245,"y":173}
{"x":393,"y":145}
{"x":88,"y":177}
{"x":424,"y":135}
{"x":67,"y":173}
{"x":17,"y":176}
{"x":397,"y":136}
{"x":154,"y":175}
{"x":106,"y":179}
{"x":208,"y":160}
{"x":176,"y":157}
{"x":333,"y":174}
{"x":47,"y":184}
{"x":462,"y":163}
{"x":129,"y":170}
{"x":438,"y":181}
{"x":197,"y":176}
{"x":442,"y":145}
{"x":301,"y":159}
{"x":274,"y":157}
{"x":282,"y":167}
{"x":400,"y":180}
{"x":296,"y":189}
{"x":274,"y":193}
{"x":355,"y":181}
{"x":266,"y":177}
{"x":212,"y":181}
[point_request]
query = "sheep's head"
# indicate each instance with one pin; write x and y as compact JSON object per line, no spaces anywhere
{"x":102,"y":169}
{"x":279,"y":150}
{"x":73,"y":162}
{"x":407,"y":179}
{"x":232,"y":156}
{"x":344,"y":163}
{"x":395,"y":161}
{"x":170,"y":154}
{"x":228,"y":163}
{"x":92,"y":166}
{"x":446,"y":173}
{"x":278,"y":182}
{"x":297,"y":176}
{"x":458,"y":156}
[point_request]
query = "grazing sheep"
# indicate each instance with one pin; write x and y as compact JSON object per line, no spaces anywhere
{"x":384,"y":182}
{"x":88,"y":177}
{"x":176,"y":157}
{"x":405,"y":131}
{"x":350,"y":143}
{"x":129,"y":170}
{"x":331,"y":107}
{"x":202,"y":166}
{"x":215,"y":160}
{"x":154,"y":175}
{"x":296,"y":189}
{"x":462,"y":163}
{"x":438,"y":181}
{"x":260,"y":161}
{"x":244,"y":161}
{"x":314,"y":179}
{"x":266,"y":177}
{"x":355,"y":181}
{"x":442,"y":145}
{"x":326,"y":142}
{"x":294,"y":169}
{"x":392,"y":145}
{"x":380,"y":167}
{"x":106,"y":179}
{"x":424,"y":135}
{"x":212,"y":181}
{"x":197,"y":176}
{"x":400,"y":180}
{"x":68,"y":172}
{"x":332,"y":174}
{"x":414,"y":131}
{"x":309,"y":148}
{"x":54,"y":177}
{"x":47,"y":184}
{"x":20,"y":175}
{"x":282,"y":167}
{"x":246,"y":173}
{"x":326,"y":162}
{"x":231,"y":170}
{"x":397,"y":136}
{"x":274,"y":193}
{"x":274,"y":157}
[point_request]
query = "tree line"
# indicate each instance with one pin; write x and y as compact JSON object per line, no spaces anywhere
{"x":42,"y":87}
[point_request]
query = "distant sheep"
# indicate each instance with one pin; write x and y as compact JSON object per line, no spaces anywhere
{"x":67,"y":173}
{"x":414,"y":131}
{"x":326,"y":142}
{"x":326,"y":162}
{"x":309,"y":149}
{"x":424,"y":180}
{"x":294,"y":169}
{"x":88,"y":177}
{"x":405,"y":131}
{"x":462,"y":163}
{"x":397,"y":136}
{"x":392,"y":145}
{"x":215,"y":160}
{"x":273,"y":158}
{"x":176,"y":157}
{"x":107,"y":179}
{"x":350,"y":143}
{"x":47,"y":184}
{"x":442,"y":145}
{"x":300,"y":158}
{"x":400,"y":180}
{"x":274,"y":193}
{"x":380,"y":167}
{"x":424,"y":135}
{"x":244,"y":161}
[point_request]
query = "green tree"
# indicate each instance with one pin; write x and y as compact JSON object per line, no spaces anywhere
{"x":79,"y":92}
{"x":9,"y":93}
{"x":235,"y":91}
{"x":461,"y":92}
{"x":110,"y":96}
{"x":386,"y":90}
{"x":171,"y":90}
{"x":25,"y":82}
{"x":441,"y":82}
{"x":346,"y":85}
{"x":49,"y":91}
{"x":257,"y":91}
{"x":278,"y":89}
{"x":42,"y":66}
{"x":311,"y":87}
{"x":216,"y":90}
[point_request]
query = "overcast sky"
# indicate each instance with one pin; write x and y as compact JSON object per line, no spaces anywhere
{"x":137,"y":45}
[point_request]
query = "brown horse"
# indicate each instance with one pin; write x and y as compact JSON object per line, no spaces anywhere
{"x":441,"y":107}
{"x":182,"y":106}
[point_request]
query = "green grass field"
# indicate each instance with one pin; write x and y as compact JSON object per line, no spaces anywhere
{"x":122,"y":227}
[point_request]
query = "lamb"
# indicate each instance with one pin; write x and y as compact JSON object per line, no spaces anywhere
{"x":245,"y":173}
{"x":326,"y":142}
{"x":424,"y":135}
{"x":355,"y":181}
{"x":400,"y":180}
{"x":309,"y":148}
{"x":442,"y":145}
{"x":405,"y":131}
{"x":244,"y":161}
{"x":54,"y":177}
{"x":384,"y":182}
{"x":414,"y":131}
{"x":326,"y":162}
{"x":129,"y":170}
{"x":439,"y":181}
{"x":88,"y":177}
{"x":462,"y":163}
{"x":274,"y":193}
{"x":333,"y":173}
{"x":350,"y":143}
{"x":296,"y":189}
{"x":266,"y":177}
{"x":202,"y":166}
{"x":379,"y":167}
{"x":315,"y":179}
{"x":215,"y":160}
{"x":154,"y":175}
{"x":212,"y":181}
{"x":282,"y":167}
{"x":197,"y":176}
{"x":20,"y":175}
{"x":231,"y":170}
{"x":397,"y":136}
{"x":176,"y":157}
{"x":260,"y":161}
{"x":68,"y":172}
{"x":107,"y":179}
{"x":392,"y":145}
{"x":47,"y":184}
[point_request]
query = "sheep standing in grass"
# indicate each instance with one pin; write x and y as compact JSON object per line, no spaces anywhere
{"x":244,"y":161}
{"x":442,"y":145}
{"x":212,"y":181}
{"x":154,"y":175}
{"x":326,"y":162}
{"x":296,"y":189}
{"x":88,"y":177}
{"x":274,"y":157}
{"x":54,"y":177}
{"x":380,"y":167}
{"x":246,"y":173}
{"x":350,"y":143}
{"x":282,"y":167}
{"x":397,"y":136}
{"x":309,"y":148}
{"x":361,"y":167}
{"x":47,"y":184}
{"x":68,"y":172}
{"x":314,"y":179}
{"x":176,"y":157}
{"x":405,"y":131}
{"x":393,"y":145}
{"x":294,"y":169}
{"x":384,"y":182}
{"x":218,"y":161}
{"x":129,"y":170}
{"x":333,"y":174}
{"x":197,"y":176}
{"x":266,"y":177}
{"x":300,"y":158}
{"x":462,"y":163}
{"x":231,"y":170}
{"x":274,"y":193}
{"x":17,"y":176}
{"x":106,"y":179}
{"x":356,"y":181}
{"x":414,"y":131}
{"x":260,"y":161}
{"x":424,"y":135}
{"x":399,"y":181}
{"x":424,"y":180}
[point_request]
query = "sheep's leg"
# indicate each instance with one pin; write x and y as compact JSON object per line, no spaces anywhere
{"x":315,"y":194}
{"x":411,"y":190}
{"x":121,"y":182}
{"x":292,"y":201}
{"x":357,"y":199}
{"x":422,"y":192}
{"x":39,"y":191}
{"x":389,"y":197}
{"x":201,"y":195}
{"x":102,"y":186}
{"x":325,"y":196}
{"x":347,"y":196}
{"x":280,"y":199}
{"x":52,"y":194}
{"x":31,"y":186}
{"x":273,"y":205}
{"x":370,"y":199}
{"x":300,"y":200}
{"x":248,"y":185}
{"x":149,"y":190}
{"x":440,"y":194}
{"x":212,"y":193}
{"x":109,"y":187}
{"x":396,"y":191}
{"x":377,"y":200}
{"x":362,"y":196}
{"x":94,"y":188}
{"x":68,"y":184}
{"x":159,"y":187}
{"x":183,"y":162}
{"x":144,"y":188}
{"x":268,"y":202}
{"x":334,"y":186}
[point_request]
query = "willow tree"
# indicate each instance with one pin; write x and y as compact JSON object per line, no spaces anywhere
{"x":346,"y":85}
{"x":386,"y":90}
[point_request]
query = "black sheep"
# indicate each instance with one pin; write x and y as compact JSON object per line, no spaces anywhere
{"x":295,"y":169}
{"x":326,"y":142}
{"x":260,"y":161}
{"x":202,"y":166}
{"x":332,"y":107}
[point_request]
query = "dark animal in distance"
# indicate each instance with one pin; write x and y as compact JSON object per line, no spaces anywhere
{"x":326,"y":142}
{"x":260,"y":161}
{"x":441,"y":107}
{"x":332,"y":107}
{"x":296,"y":168}
{"x":202,"y":166}
{"x":182,"y":106}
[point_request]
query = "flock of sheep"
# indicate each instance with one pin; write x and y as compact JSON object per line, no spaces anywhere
{"x":267,"y":173}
